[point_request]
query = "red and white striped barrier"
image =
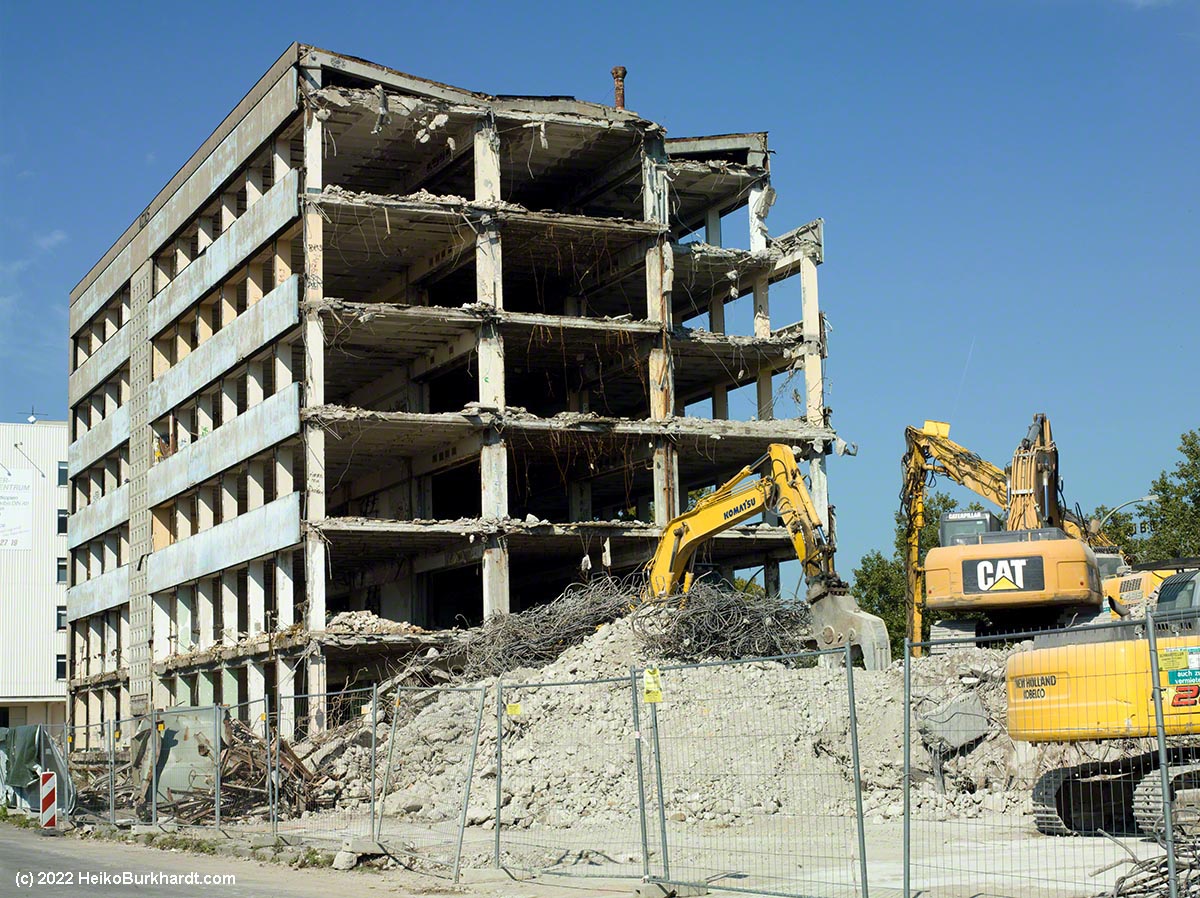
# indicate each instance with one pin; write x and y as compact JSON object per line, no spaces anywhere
{"x":49,"y":800}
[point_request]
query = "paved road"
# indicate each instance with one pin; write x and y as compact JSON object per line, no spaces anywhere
{"x":24,"y":851}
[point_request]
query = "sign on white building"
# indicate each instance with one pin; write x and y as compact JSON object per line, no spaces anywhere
{"x":16,"y":509}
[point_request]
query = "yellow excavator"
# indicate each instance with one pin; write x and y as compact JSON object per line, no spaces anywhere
{"x":1096,"y":686}
{"x":1031,"y":569}
{"x":836,"y":618}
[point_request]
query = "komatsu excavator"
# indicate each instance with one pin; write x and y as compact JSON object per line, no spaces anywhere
{"x":1034,"y":568}
{"x":837,"y":620}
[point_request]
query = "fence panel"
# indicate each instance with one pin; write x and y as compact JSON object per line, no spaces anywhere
{"x":326,"y":779}
{"x":1175,"y":636}
{"x":567,"y":794}
{"x":428,"y":748}
{"x":753,"y":776}
{"x":1023,"y":758}
{"x":185,"y":778}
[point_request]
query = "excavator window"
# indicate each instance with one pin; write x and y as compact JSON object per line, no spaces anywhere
{"x":1178,"y":594}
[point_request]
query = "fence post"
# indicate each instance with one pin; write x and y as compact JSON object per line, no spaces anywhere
{"x":278,"y":773}
{"x":1164,"y":768}
{"x":499,"y":761}
{"x":462,"y":820}
{"x":641,"y":784}
{"x":154,"y":766}
{"x":374,"y":729}
{"x":387,"y":771}
{"x":858,"y":806}
{"x":112,"y":773}
{"x":217,"y":759}
{"x":662,"y":808}
{"x":906,"y":779}
{"x":270,"y":772}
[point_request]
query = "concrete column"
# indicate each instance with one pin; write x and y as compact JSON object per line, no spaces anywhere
{"x":90,"y":737}
{"x":207,"y":499}
{"x":285,"y":601}
{"x":206,"y":594}
{"x":183,"y":517}
{"x":182,"y":692}
{"x":205,"y":688}
{"x":185,"y":603}
{"x":282,"y":359}
{"x":256,"y":483}
{"x":110,"y":641}
{"x":317,"y":686}
{"x":256,"y":598}
{"x":256,"y":686}
{"x":231,"y":623}
{"x":231,"y":693}
{"x":285,"y":468}
{"x":762,"y":197}
{"x":123,"y":646}
{"x":716,"y":313}
{"x":109,"y":699}
{"x":285,"y":698}
{"x":489,"y":289}
{"x":660,"y":274}
{"x":579,"y":500}
{"x":254,"y":182}
{"x":229,"y":497}
{"x":160,"y":624}
{"x":771,"y":578}
{"x":762,"y":328}
{"x":814,"y":382}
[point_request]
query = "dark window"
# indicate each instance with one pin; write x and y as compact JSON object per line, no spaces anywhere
{"x":62,"y":617}
{"x":62,"y":522}
{"x":60,"y":666}
{"x":62,"y":570}
{"x":62,"y":473}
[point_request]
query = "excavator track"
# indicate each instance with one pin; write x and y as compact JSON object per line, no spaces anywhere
{"x":1185,"y":800}
{"x":1045,"y":802}
{"x":1090,"y":798}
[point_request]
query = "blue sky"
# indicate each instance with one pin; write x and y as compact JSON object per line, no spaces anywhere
{"x":1009,"y":188}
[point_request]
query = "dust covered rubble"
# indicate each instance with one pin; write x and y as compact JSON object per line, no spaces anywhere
{"x":738,"y":741}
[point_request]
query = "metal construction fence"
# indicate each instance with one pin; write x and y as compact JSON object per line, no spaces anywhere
{"x":1050,"y":762}
{"x":1061,"y":763}
{"x":706,"y":775}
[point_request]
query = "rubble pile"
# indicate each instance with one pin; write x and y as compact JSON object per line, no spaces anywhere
{"x":366,"y":623}
{"x":738,"y":741}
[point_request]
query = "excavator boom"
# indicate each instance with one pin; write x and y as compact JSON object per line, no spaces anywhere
{"x":837,"y":619}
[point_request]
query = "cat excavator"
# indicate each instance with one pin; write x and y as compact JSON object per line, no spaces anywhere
{"x":1034,"y":568}
{"x":836,"y":618}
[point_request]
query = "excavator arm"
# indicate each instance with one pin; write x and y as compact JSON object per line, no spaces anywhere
{"x":837,"y":619}
{"x":929,"y":450}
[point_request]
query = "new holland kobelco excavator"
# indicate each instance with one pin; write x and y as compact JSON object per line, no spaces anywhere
{"x":1032,"y":569}
{"x":1095,"y":686}
{"x":836,"y":618}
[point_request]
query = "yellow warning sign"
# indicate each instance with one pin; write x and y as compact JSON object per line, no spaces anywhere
{"x":652,"y":685}
{"x":513,"y":709}
{"x":1173,"y":659}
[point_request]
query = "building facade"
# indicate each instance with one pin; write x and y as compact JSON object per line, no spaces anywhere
{"x":33,"y":573}
{"x":385,"y":344}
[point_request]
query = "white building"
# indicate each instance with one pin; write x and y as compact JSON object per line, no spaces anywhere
{"x":33,"y":573}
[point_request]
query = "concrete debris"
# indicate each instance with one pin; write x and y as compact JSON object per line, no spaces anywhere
{"x":367,"y":623}
{"x":960,"y":722}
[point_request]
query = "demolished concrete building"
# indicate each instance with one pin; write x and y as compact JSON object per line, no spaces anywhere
{"x":386,"y":344}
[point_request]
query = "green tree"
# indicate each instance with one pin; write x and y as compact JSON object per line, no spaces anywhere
{"x":879,"y":585}
{"x":1121,"y":529}
{"x":1175,"y":518}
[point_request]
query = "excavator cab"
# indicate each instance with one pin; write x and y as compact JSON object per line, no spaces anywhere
{"x":958,"y":528}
